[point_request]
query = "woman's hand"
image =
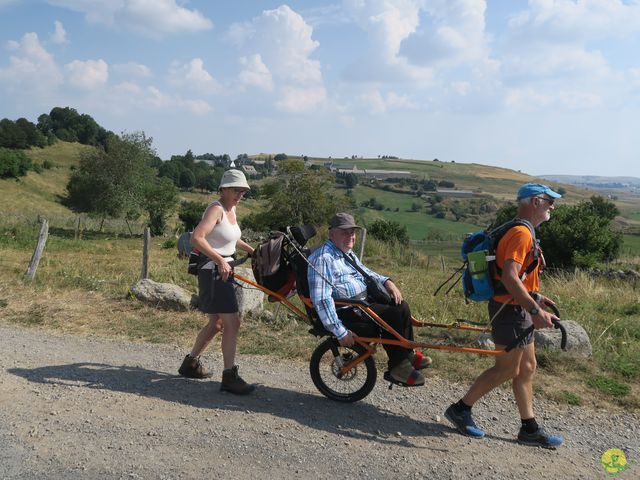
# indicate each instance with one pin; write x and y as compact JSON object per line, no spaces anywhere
{"x":224,"y":269}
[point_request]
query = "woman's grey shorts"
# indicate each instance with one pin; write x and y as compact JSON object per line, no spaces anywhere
{"x":509,"y":324}
{"x":214,"y":295}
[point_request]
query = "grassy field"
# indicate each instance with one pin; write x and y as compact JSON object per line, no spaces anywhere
{"x":82,"y":287}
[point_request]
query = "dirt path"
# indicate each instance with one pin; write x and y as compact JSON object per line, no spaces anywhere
{"x":76,"y":408}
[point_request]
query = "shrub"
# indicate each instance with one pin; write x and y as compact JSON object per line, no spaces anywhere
{"x":190,"y":214}
{"x":13,"y":163}
{"x":389,"y":231}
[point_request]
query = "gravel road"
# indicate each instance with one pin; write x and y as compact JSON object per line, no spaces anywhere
{"x":87,"y":407}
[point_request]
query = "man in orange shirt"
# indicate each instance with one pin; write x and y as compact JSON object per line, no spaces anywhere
{"x":512,"y":314}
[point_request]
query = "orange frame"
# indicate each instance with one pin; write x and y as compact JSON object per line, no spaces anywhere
{"x":369,"y":343}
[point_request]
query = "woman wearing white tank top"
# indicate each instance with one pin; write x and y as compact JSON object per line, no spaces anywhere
{"x":217,"y":236}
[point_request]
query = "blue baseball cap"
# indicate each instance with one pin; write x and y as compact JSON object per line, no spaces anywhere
{"x":533,"y":189}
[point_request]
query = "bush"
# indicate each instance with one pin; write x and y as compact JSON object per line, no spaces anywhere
{"x":13,"y":163}
{"x":389,"y":231}
{"x":190,"y":214}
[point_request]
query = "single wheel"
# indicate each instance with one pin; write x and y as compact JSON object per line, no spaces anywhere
{"x":354,"y":385}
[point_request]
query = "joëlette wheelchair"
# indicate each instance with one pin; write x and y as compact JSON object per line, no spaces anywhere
{"x":346,"y":374}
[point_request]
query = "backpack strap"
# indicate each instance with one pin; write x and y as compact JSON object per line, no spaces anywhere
{"x":497,"y":235}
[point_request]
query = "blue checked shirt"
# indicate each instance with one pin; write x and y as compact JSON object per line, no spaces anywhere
{"x":348,"y":282}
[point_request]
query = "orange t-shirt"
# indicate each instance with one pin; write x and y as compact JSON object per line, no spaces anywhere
{"x":516,"y":245}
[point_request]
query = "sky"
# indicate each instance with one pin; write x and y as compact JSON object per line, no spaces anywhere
{"x":540,"y":86}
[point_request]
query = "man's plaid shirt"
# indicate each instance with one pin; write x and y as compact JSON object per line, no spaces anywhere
{"x":327,"y":261}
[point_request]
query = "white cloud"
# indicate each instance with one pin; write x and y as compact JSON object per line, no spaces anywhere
{"x":301,"y":99}
{"x":529,"y":100}
{"x":377,"y":102}
{"x":192,"y":75}
{"x":156,"y":99}
{"x":282,"y":41}
{"x":450,"y":33}
{"x":60,"y":34}
{"x":389,"y":24}
{"x":87,"y":75}
{"x":152,"y":18}
{"x":255,"y":73}
{"x":557,"y":62}
{"x":132,"y":69}
{"x":31,"y":69}
{"x":551,"y":21}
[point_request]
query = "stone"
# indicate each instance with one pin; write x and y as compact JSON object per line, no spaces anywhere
{"x":249,"y":297}
{"x":165,"y":295}
{"x":485,"y":341}
{"x":578,"y":343}
{"x":184,"y":245}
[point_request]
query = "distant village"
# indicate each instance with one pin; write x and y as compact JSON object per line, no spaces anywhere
{"x":253,"y":167}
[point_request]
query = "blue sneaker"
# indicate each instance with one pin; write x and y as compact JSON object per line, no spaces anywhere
{"x":463,"y":422}
{"x":539,"y":438}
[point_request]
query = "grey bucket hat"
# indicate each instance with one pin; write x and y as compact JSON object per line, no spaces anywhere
{"x":343,"y":221}
{"x":233,"y":179}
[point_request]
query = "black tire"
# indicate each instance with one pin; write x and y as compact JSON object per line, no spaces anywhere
{"x":354,"y":385}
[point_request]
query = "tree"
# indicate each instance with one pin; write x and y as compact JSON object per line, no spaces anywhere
{"x":351,"y":180}
{"x":159,"y":198}
{"x":187,"y":180}
{"x":389,"y":231}
{"x":280,"y":156}
{"x":298,"y":197}
{"x":110,"y":182}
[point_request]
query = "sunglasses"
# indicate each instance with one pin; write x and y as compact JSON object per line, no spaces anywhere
{"x":549,"y":200}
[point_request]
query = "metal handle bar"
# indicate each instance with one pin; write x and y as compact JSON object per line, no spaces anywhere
{"x":556,"y":324}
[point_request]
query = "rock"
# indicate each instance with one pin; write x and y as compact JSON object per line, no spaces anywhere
{"x":485,"y":341}
{"x":184,"y":245}
{"x":249,"y":298}
{"x":165,"y":295}
{"x":578,"y":343}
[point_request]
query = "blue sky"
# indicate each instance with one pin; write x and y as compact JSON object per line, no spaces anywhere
{"x":544,"y":86}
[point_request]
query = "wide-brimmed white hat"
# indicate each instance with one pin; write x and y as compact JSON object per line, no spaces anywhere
{"x":233,"y":179}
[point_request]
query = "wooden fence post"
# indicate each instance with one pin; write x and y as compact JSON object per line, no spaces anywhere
{"x":363,"y":238}
{"x":35,"y":258}
{"x":444,"y":267}
{"x":428,"y":262}
{"x":145,"y":254}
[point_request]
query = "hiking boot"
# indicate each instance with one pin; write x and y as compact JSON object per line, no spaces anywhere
{"x":463,"y":421}
{"x":405,"y":374}
{"x":419,"y":361}
{"x":232,"y":382}
{"x":192,"y":368}
{"x":539,"y":438}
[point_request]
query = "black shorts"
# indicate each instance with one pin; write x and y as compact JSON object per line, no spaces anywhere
{"x":509,"y":324}
{"x":214,"y":295}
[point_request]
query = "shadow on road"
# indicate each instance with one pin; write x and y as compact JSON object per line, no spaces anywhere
{"x":356,"y":420}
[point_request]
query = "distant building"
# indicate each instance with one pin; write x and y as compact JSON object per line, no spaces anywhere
{"x":447,"y":192}
{"x":384,"y":174}
{"x":249,"y":170}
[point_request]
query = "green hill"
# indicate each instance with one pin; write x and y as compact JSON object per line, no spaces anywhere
{"x":40,"y":193}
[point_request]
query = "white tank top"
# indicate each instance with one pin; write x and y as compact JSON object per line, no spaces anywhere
{"x":223,"y":236}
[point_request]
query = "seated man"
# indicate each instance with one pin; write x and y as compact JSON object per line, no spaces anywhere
{"x":332,"y":276}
